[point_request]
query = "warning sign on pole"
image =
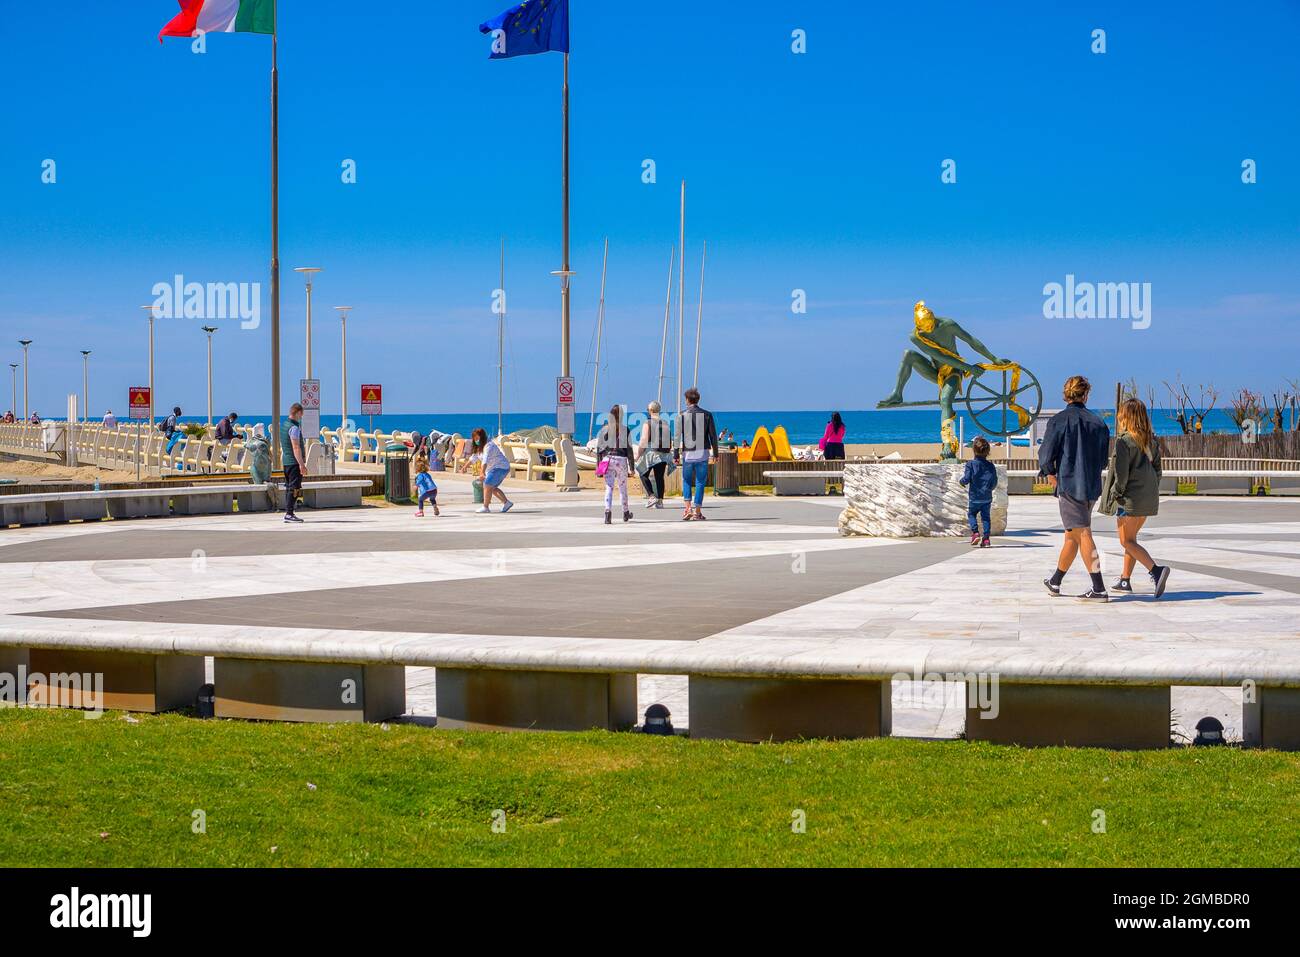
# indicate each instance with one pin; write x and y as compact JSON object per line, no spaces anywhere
{"x":565,"y":404}
{"x":309,"y":398}
{"x":372,"y":399}
{"x":139,"y":401}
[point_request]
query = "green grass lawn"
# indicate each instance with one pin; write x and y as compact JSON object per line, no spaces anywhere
{"x":114,"y":791}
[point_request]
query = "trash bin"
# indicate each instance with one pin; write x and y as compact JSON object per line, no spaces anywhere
{"x":478,"y":491}
{"x":726,"y":472}
{"x":397,"y":474}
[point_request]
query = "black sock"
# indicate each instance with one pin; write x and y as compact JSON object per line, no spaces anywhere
{"x":1097,"y":583}
{"x":1057,"y":577}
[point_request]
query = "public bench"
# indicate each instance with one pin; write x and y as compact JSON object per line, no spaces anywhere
{"x":47,"y":508}
{"x":802,"y":483}
{"x":739,"y":689}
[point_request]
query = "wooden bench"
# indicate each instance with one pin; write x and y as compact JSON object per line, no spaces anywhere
{"x":526,"y":459}
{"x":802,"y":483}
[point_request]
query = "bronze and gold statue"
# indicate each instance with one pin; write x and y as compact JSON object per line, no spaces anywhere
{"x":936,"y":358}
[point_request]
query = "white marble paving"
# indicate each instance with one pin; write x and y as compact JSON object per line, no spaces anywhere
{"x":982,"y":610}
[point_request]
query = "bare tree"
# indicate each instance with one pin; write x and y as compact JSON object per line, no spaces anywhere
{"x":1190,"y":413}
{"x":1244,"y":405}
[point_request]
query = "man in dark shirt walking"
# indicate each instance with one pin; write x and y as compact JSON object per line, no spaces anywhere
{"x":1074,"y":451}
{"x":294,"y":458}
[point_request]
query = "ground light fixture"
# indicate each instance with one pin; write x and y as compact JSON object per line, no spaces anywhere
{"x":1209,"y":731}
{"x":658,"y":720}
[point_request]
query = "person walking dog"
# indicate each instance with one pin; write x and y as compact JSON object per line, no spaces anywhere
{"x":1132,"y":491}
{"x":1072,"y":456}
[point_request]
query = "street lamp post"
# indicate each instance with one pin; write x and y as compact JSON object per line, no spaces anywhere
{"x":308,"y":271}
{"x":151,"y":318}
{"x":25,"y":343}
{"x":85,"y":385}
{"x":343,"y":316}
{"x":209,"y":330}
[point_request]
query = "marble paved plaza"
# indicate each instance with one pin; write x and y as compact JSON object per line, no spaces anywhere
{"x":760,"y":570}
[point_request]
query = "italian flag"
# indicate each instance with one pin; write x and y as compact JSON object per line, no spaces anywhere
{"x":221,"y":16}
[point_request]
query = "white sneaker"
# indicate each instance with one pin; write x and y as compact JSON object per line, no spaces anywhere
{"x":481,"y":509}
{"x":507,"y":507}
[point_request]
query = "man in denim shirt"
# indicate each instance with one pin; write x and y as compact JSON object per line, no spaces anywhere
{"x":1072,"y":456}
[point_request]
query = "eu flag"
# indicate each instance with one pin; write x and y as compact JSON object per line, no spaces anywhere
{"x":535,"y":26}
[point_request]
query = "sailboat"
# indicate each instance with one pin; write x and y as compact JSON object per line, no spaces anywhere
{"x":586,"y":455}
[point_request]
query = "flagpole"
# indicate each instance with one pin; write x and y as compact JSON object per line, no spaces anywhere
{"x":564,"y":279}
{"x":275,"y":244}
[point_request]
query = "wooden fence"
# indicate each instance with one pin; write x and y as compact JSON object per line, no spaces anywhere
{"x":1270,"y":445}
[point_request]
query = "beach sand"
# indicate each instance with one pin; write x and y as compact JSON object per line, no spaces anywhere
{"x":48,"y":471}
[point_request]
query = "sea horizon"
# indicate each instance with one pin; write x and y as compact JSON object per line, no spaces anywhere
{"x":804,"y":426}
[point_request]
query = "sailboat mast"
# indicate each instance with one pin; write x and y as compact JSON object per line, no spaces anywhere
{"x":681,"y":301}
{"x":699,"y":317}
{"x":501,"y":339}
{"x":668,"y":308}
{"x":600,"y":327}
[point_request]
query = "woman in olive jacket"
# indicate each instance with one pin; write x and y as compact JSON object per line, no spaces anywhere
{"x":1136,"y":491}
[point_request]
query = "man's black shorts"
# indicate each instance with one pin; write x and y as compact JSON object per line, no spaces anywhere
{"x":292,"y":477}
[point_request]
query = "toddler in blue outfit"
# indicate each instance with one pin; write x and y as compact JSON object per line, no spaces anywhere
{"x":425,"y":488}
{"x":980,"y":478}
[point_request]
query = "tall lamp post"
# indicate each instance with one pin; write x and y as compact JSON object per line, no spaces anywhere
{"x":343,"y":316}
{"x":25,"y":343}
{"x":308,"y":271}
{"x":151,"y":319}
{"x":85,"y":385}
{"x":209,"y":330}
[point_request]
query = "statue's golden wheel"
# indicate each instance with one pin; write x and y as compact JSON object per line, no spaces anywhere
{"x":1007,"y":411}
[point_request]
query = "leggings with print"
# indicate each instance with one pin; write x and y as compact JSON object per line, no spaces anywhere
{"x":615,"y":474}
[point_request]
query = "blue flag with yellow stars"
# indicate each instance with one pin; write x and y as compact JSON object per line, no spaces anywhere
{"x":535,"y":26}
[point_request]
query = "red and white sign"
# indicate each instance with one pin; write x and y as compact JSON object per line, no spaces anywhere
{"x":139,"y":401}
{"x":309,"y":394}
{"x":565,"y":404}
{"x":372,"y":399}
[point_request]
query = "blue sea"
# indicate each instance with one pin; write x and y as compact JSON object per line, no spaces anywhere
{"x":803,"y":427}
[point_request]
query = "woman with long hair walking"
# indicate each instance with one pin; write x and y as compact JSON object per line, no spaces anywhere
{"x":613,"y":456}
{"x":1132,"y":491}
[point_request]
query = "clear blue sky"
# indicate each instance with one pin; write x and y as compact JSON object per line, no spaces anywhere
{"x":818,"y":171}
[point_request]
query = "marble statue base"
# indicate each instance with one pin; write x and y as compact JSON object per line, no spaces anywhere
{"x":891,"y":500}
